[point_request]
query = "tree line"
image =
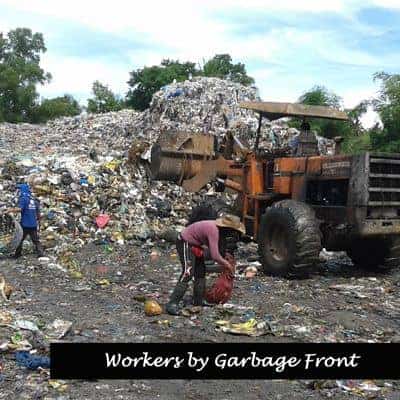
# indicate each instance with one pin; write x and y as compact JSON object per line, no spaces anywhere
{"x":20,"y":74}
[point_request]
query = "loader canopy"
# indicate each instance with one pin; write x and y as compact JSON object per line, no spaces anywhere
{"x":275,"y":110}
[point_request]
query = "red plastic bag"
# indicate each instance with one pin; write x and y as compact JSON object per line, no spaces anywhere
{"x":197,"y":251}
{"x":102,"y":220}
{"x":222,"y":289}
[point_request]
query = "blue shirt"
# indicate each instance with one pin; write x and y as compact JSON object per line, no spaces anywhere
{"x":29,"y":211}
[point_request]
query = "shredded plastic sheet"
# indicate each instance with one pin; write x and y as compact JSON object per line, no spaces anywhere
{"x":252,"y":327}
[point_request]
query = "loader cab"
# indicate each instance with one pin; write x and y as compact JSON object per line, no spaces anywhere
{"x":280,"y":173}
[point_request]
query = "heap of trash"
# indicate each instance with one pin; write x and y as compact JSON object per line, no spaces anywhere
{"x":211,"y":105}
{"x":201,"y":105}
{"x":78,"y":166}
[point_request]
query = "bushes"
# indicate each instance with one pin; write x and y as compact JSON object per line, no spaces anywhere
{"x":56,"y":107}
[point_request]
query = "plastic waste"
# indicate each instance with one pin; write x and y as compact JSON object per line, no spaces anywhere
{"x":252,"y":327}
{"x":31,"y":361}
{"x":57,"y":329}
{"x":152,"y":308}
{"x":250,"y":272}
{"x":154,"y":256}
{"x":221,"y":291}
{"x":60,"y":386}
{"x":102,"y":220}
{"x":5,"y":289}
{"x":27,"y":325}
{"x":358,"y":387}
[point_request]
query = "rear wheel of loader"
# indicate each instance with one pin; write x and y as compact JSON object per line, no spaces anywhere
{"x":289,"y":238}
{"x":376,"y":254}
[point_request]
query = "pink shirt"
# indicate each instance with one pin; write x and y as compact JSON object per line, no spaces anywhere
{"x":205,"y":233}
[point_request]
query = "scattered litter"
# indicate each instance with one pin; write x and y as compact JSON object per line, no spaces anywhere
{"x":31,"y":361}
{"x":78,"y":169}
{"x":27,"y":325}
{"x":102,"y":220}
{"x":57,"y":329}
{"x":154,"y":256}
{"x":103,"y":282}
{"x":252,"y":327}
{"x":250,"y":272}
{"x":60,"y":386}
{"x":152,"y":308}
{"x":78,"y":166}
{"x":357,"y":387}
{"x":5,"y":317}
{"x":5,"y":289}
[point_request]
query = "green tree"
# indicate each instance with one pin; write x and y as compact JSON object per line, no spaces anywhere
{"x":146,"y":81}
{"x":221,"y":66}
{"x":355,"y":115}
{"x":57,"y":107}
{"x":387,"y":105}
{"x":356,"y":138}
{"x":104,"y":99}
{"x":321,"y":96}
{"x":20,"y":72}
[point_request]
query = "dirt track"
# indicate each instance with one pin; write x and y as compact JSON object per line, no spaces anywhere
{"x":334,"y":303}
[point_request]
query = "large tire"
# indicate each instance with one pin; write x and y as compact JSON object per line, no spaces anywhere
{"x":289,"y":238}
{"x":376,"y":254}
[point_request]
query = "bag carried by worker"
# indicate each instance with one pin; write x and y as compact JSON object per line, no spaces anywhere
{"x":222,"y":289}
{"x":197,"y":251}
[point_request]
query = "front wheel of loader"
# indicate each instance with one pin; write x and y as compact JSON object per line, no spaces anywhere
{"x":376,"y":254}
{"x":289,"y":238}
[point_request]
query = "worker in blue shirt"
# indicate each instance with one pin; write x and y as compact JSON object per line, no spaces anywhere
{"x":30,"y":214}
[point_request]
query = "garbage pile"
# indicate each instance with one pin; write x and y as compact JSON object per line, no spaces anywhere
{"x":101,"y":133}
{"x":212,"y":105}
{"x":77,"y":166}
{"x":78,"y":169}
{"x":200,"y":105}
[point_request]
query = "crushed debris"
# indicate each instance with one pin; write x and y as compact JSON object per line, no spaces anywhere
{"x":108,"y":234}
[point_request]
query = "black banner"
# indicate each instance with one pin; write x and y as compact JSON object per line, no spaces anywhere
{"x":224,"y":361}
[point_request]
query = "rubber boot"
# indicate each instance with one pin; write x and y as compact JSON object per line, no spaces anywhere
{"x":172,"y":306}
{"x":18,"y":251}
{"x":39,"y":250}
{"x":199,"y":288}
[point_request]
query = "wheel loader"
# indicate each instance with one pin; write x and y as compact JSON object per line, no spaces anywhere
{"x":294,"y":201}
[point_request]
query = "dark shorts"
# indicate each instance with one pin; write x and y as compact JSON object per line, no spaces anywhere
{"x":191,"y":265}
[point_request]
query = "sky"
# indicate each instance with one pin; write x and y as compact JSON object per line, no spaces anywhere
{"x":287,"y":46}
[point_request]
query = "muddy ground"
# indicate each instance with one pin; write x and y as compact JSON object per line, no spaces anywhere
{"x":334,"y":303}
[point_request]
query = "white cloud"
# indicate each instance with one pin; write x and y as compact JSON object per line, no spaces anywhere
{"x":352,"y":98}
{"x":182,"y":25}
{"x":370,"y":118}
{"x":75,"y":76}
{"x":394,"y":4}
{"x":190,"y":30}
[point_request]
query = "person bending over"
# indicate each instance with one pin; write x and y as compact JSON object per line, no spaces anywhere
{"x":190,"y":245}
